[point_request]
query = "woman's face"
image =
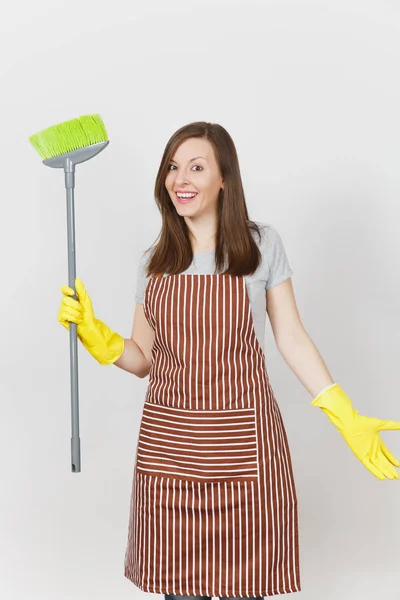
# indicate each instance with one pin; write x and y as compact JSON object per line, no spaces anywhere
{"x":193,"y":168}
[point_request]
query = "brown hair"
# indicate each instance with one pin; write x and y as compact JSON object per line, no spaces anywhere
{"x":235,"y":244}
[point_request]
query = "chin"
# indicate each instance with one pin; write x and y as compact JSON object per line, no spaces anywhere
{"x":186,"y":210}
{"x":186,"y":207}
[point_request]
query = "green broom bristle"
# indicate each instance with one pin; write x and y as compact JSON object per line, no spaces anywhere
{"x":68,"y":136}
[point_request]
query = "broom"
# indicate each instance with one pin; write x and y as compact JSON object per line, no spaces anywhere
{"x":64,"y":146}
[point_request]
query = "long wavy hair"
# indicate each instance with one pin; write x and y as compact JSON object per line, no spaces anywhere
{"x":236,"y":251}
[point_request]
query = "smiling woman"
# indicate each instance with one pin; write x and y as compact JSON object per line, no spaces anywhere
{"x":208,"y":499}
{"x":201,"y":158}
{"x":214,"y":504}
{"x":195,"y":186}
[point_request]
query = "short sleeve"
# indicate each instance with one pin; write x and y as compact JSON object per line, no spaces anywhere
{"x":141,"y":279}
{"x":278,"y":264}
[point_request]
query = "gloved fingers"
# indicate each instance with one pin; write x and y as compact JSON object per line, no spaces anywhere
{"x":63,"y":320}
{"x":389,"y":455}
{"x":389,"y":425}
{"x":83,"y":295}
{"x":66,"y":290}
{"x":384,"y":466}
{"x":387,"y":465}
{"x":71,"y":315}
{"x":367,"y":463}
{"x":71,"y":303}
{"x":68,"y":313}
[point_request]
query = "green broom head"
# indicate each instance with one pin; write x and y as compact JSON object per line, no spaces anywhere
{"x":69,"y":136}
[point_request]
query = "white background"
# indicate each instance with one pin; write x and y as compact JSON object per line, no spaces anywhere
{"x":310,"y":93}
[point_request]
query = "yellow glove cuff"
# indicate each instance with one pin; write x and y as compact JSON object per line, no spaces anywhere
{"x":336,"y":405}
{"x":105,"y":345}
{"x":115,"y":348}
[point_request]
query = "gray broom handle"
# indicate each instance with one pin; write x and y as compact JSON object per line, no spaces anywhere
{"x":69,"y":169}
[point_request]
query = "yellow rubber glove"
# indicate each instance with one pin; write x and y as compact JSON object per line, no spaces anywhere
{"x":103,"y":344}
{"x":360,"y":433}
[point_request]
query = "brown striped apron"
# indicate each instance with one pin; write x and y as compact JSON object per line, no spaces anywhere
{"x":213,"y":508}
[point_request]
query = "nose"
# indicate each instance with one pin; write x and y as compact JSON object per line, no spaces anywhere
{"x":181,"y":177}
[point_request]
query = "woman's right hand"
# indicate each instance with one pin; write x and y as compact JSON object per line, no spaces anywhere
{"x":104,"y":345}
{"x":75,"y":311}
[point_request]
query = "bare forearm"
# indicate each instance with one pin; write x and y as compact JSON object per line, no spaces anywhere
{"x":132,"y":359}
{"x":303,"y":357}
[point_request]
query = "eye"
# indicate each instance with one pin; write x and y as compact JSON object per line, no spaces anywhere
{"x":171,"y":165}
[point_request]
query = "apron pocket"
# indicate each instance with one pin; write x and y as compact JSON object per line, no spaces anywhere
{"x":198,"y":445}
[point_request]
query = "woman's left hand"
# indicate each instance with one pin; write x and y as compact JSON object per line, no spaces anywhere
{"x":360,"y":433}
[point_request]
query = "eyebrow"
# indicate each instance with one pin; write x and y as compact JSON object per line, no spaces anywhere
{"x":191,"y":160}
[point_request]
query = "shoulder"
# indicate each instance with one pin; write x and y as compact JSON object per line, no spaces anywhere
{"x":275,"y":266}
{"x":270,"y":237}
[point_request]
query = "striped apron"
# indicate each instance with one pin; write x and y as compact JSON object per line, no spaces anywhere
{"x":213,"y":508}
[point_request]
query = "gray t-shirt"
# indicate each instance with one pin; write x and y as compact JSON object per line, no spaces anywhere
{"x":273,"y":269}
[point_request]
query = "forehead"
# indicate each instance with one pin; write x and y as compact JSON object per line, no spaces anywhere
{"x":193,"y":147}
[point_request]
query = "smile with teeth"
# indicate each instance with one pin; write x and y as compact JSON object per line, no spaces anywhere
{"x":186,"y":197}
